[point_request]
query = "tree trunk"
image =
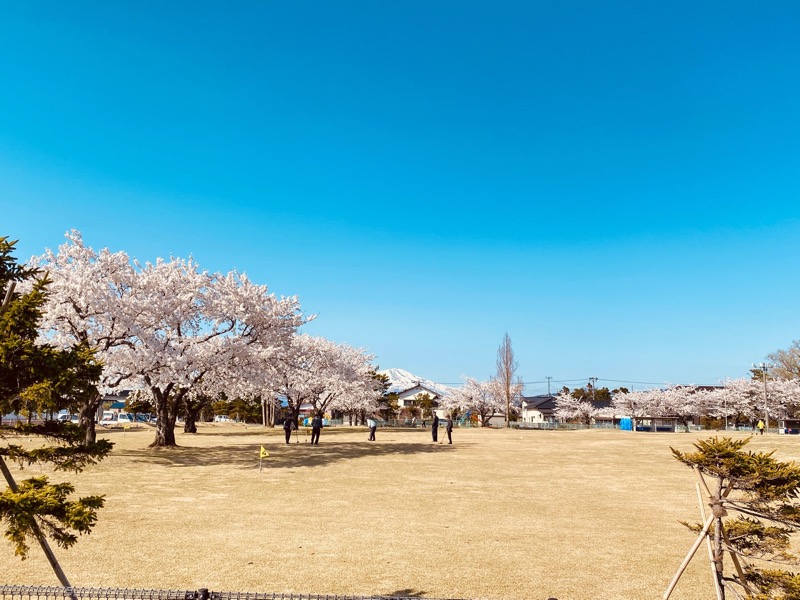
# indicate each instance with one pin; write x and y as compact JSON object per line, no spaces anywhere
{"x":293,"y":414}
{"x":87,"y":414}
{"x":191,"y":412}
{"x":167,"y":410}
{"x":165,"y":430}
{"x":190,"y":422}
{"x":271,"y":412}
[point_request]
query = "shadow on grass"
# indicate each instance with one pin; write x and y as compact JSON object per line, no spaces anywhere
{"x":407,"y":593}
{"x":281,"y":455}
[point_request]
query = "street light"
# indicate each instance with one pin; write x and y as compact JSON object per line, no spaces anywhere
{"x":763,"y":368}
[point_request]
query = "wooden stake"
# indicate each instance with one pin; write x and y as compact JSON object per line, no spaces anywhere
{"x":717,"y":586}
{"x":736,"y":563}
{"x":693,"y":550}
{"x":689,"y":557}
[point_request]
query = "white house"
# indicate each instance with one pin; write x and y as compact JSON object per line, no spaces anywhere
{"x":410,"y":389}
{"x":412,"y":396}
{"x":538,"y":409}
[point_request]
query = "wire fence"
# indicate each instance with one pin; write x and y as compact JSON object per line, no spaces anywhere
{"x":24,"y":592}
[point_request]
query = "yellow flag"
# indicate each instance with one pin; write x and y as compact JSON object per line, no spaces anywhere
{"x":264,"y":453}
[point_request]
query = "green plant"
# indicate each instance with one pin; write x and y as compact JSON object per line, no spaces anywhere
{"x":753,"y":515}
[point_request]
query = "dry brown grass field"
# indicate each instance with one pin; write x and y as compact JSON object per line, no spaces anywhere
{"x":498,"y":515}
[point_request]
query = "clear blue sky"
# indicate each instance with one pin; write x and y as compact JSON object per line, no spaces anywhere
{"x":614,"y":184}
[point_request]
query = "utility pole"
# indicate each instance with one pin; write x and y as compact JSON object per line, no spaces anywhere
{"x":548,"y":385}
{"x":593,"y":382}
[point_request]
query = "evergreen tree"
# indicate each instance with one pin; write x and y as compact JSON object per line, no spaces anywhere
{"x":36,"y":379}
{"x":388,"y":407}
{"x":753,"y":516}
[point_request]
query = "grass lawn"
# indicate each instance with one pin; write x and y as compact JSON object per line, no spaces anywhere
{"x":500,"y":514}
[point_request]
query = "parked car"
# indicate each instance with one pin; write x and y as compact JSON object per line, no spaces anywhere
{"x":111,"y":418}
{"x":222,"y":419}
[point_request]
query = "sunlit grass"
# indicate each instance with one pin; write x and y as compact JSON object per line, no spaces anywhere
{"x":499,"y":514}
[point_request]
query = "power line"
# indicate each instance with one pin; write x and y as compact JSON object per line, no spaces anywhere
{"x":639,"y":382}
{"x":549,"y":380}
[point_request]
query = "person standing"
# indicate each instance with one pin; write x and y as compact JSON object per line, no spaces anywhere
{"x":449,"y":429}
{"x":760,"y":426}
{"x":435,"y":428}
{"x":287,"y":428}
{"x":372,"y":423}
{"x":316,"y":428}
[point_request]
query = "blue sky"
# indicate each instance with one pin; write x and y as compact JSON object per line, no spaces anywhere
{"x":613,"y":184}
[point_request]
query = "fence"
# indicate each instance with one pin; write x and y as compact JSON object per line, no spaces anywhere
{"x":24,"y":592}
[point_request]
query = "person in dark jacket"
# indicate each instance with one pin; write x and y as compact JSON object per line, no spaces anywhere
{"x":316,"y":427}
{"x":449,"y":429}
{"x":287,"y":428}
{"x":435,"y":428}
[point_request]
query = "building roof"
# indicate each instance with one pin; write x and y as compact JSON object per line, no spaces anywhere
{"x":420,"y":387}
{"x":545,"y":403}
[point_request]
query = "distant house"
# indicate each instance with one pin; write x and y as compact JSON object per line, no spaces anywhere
{"x":410,"y":389}
{"x":410,"y":398}
{"x":538,"y":409}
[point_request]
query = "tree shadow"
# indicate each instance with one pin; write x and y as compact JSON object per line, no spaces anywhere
{"x":281,"y":455}
{"x":401,"y":594}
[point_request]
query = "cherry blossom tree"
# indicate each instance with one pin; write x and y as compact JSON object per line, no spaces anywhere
{"x":784,"y":397}
{"x":243,"y":378}
{"x":165,"y":326}
{"x":745,"y":397}
{"x":713,"y":403}
{"x":636,"y":405}
{"x":570,"y":408}
{"x":326,"y":375}
{"x":682,"y":401}
{"x":480,"y":397}
{"x":87,"y":291}
{"x":186,"y":323}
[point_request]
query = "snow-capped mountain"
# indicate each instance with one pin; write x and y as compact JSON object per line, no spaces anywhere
{"x":401,"y":380}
